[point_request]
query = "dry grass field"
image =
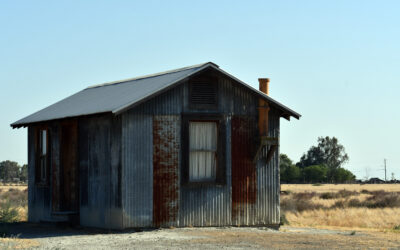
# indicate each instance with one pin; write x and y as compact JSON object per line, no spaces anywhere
{"x":318,"y":216}
{"x":13,"y":203}
{"x":368,"y":206}
{"x":320,"y":188}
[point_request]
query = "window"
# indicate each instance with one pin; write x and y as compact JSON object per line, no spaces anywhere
{"x":203,"y":151}
{"x":42,"y":157}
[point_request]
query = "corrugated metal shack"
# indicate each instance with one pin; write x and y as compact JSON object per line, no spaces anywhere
{"x":188,"y":147}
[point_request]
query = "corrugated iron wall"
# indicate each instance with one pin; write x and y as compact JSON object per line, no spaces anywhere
{"x":198,"y":206}
{"x":166,"y":147}
{"x":268,"y":180}
{"x":208,"y":205}
{"x":137,"y":170}
{"x":98,"y":160}
{"x":244,"y":174}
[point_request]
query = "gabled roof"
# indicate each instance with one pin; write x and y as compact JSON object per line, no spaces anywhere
{"x":118,"y":96}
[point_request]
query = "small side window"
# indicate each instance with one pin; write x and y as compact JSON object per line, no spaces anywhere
{"x":42,"y":157}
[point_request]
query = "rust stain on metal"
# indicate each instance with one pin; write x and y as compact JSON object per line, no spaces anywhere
{"x":165,"y":170}
{"x":244,"y":178}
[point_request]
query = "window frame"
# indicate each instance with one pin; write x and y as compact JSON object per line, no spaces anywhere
{"x":213,"y":176}
{"x":220,"y":178}
{"x":41,"y":180}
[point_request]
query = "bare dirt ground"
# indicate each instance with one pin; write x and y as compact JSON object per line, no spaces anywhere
{"x":52,"y":237}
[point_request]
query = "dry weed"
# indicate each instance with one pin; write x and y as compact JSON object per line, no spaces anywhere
{"x":362,"y":206}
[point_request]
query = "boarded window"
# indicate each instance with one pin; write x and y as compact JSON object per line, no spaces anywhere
{"x":42,"y":163}
{"x":203,"y":151}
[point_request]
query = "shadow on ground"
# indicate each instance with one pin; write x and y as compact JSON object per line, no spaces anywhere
{"x":27,"y":230}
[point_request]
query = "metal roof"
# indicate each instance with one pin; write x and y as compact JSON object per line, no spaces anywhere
{"x":118,"y":96}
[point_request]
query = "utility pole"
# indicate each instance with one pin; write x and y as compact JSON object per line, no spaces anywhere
{"x":384,"y":160}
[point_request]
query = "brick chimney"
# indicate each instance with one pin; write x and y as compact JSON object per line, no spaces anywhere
{"x":264,"y":85}
{"x":263,"y":108}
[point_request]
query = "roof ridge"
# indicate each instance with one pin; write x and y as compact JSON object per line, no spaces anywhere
{"x":151,"y":75}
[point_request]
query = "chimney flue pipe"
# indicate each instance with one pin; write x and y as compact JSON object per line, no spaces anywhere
{"x":263,"y":108}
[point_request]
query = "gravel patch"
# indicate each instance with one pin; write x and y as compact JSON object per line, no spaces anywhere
{"x":52,"y":237}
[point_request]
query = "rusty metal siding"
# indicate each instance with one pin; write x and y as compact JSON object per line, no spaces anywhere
{"x":166,"y":147}
{"x":137,"y":170}
{"x":244,"y":172}
{"x":137,"y":156}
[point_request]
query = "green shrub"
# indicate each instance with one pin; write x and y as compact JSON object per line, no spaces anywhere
{"x":283,"y":220}
{"x":355,"y":203}
{"x":339,"y":204}
{"x":300,"y":202}
{"x":383,"y":200}
{"x":327,"y":195}
{"x":346,"y":193}
{"x":364,"y":191}
{"x":336,"y":195}
{"x":8,"y":214}
{"x":304,"y":195}
{"x":15,"y":196}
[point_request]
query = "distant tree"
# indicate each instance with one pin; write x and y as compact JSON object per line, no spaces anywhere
{"x":314,"y":156}
{"x":315,"y":173}
{"x":284,"y":161}
{"x":23,"y":175}
{"x":341,"y":175}
{"x":289,"y":172}
{"x":9,"y":170}
{"x":328,"y":152}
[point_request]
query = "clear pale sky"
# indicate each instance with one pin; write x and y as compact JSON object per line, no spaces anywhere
{"x":335,"y":62}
